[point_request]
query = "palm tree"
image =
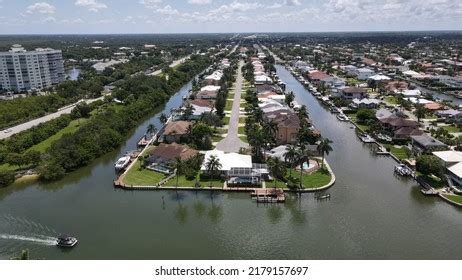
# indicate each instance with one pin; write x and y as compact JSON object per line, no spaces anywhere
{"x":290,"y":96}
{"x":277,"y":169}
{"x":151,"y":130}
{"x":213,"y":165}
{"x":324,"y":148}
{"x":163,"y":118}
{"x":178,"y":166}
{"x":302,"y":158}
{"x":291,"y":156}
{"x":188,"y":112}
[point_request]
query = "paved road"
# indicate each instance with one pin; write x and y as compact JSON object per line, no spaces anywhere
{"x":173,"y":64}
{"x":232,"y":143}
{"x":66,"y":110}
{"x":49,"y":117}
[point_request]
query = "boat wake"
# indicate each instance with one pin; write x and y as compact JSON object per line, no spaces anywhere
{"x":44,"y":240}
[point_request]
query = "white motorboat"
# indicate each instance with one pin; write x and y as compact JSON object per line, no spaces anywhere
{"x":122,"y":162}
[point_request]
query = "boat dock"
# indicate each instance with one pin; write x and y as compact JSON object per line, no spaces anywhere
{"x":269,"y":195}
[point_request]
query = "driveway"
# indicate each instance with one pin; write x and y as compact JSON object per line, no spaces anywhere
{"x":232,"y":143}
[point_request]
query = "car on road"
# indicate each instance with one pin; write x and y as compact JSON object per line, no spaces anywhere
{"x":8,"y":130}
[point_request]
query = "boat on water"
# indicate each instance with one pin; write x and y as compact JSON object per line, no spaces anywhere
{"x":324,"y":196}
{"x":122,"y":162}
{"x":342,"y":117}
{"x":403,"y":170}
{"x":334,"y":110}
{"x":66,"y":241}
{"x":366,"y":138}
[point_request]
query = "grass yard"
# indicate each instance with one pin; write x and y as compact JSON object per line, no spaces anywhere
{"x":401,"y":153}
{"x":216,"y":138}
{"x":242,"y":120}
{"x":142,"y":177}
{"x":229,"y":105}
{"x":241,"y":130}
{"x":244,"y":138}
{"x":226,"y":120}
{"x":451,"y":128}
{"x":392,"y":100}
{"x":71,"y":128}
{"x":454,"y":198}
{"x":316,"y":180}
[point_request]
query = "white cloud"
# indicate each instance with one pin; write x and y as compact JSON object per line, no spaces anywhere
{"x":199,"y":2}
{"x":49,"y":20}
{"x":292,"y":2}
{"x":168,"y":10}
{"x":91,"y":5}
{"x":151,"y":4}
{"x":42,"y":8}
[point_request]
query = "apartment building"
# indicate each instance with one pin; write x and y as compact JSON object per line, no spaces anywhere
{"x":22,"y":70}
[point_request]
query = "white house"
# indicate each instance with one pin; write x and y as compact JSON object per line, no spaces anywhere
{"x":364,"y":73}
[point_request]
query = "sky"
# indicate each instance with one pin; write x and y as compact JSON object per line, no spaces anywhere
{"x":223,"y":16}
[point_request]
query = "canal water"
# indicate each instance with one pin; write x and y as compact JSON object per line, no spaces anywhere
{"x":73,"y":74}
{"x":371,"y":213}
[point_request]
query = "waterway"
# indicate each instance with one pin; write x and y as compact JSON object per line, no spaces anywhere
{"x":371,"y":213}
{"x":73,"y":74}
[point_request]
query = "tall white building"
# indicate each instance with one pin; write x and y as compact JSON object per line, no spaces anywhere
{"x":22,"y":70}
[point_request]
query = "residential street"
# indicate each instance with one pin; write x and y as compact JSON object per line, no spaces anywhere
{"x":232,"y":143}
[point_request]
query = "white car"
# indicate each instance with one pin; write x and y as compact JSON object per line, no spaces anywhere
{"x":8,"y":130}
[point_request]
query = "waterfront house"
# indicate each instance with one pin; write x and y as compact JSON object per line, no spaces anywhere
{"x":409,"y":93}
{"x":452,"y":160}
{"x":208,"y":92}
{"x":449,"y":157}
{"x":450,"y":115}
{"x":288,"y":125}
{"x":351,"y":93}
{"x":263,"y":79}
{"x":425,"y":143}
{"x":400,"y":127}
{"x":214,"y":78}
{"x":162,"y":157}
{"x":175,"y":130}
{"x":368,"y":103}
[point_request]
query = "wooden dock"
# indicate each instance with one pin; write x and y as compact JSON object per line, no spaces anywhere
{"x":269,"y":195}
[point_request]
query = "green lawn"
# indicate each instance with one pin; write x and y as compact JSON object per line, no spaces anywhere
{"x":433,"y":181}
{"x":226,"y":120}
{"x":314,"y":180}
{"x":142,"y":177}
{"x":216,"y":138}
{"x":401,"y":153}
{"x":392,"y":100}
{"x":71,"y":128}
{"x":242,"y":120}
{"x":455,"y":198}
{"x":244,"y":138}
{"x":451,"y":128}
{"x":241,"y":130}
{"x":229,"y":105}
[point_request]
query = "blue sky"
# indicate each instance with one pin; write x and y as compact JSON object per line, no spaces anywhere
{"x":178,"y":16}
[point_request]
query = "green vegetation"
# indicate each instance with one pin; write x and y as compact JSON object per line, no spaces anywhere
{"x":241,"y":130}
{"x":316,"y":179}
{"x":392,"y":100}
{"x":71,"y":128}
{"x":244,"y":139}
{"x":454,"y":198}
{"x":229,"y":105}
{"x":401,"y":153}
{"x":106,"y":130}
{"x":451,"y":128}
{"x":139,"y":176}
